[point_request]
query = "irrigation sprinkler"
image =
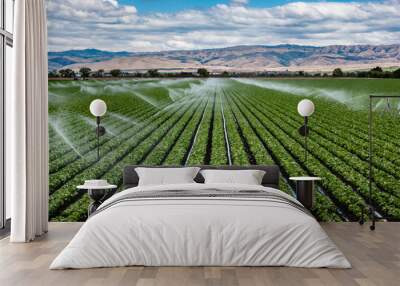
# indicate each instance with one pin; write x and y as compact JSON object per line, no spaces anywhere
{"x":371,"y":208}
{"x":98,"y":108}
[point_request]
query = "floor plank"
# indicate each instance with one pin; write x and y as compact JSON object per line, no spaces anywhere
{"x":375,"y":257}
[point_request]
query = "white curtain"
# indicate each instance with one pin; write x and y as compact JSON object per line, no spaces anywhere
{"x":26,"y":124}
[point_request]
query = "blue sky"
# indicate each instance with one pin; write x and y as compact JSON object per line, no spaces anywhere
{"x":150,"y":6}
{"x":160,"y":25}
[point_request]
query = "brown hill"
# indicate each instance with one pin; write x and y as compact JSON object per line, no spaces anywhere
{"x":239,"y":58}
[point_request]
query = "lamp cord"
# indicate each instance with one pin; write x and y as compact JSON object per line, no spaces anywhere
{"x":98,"y":137}
{"x":305,"y":138}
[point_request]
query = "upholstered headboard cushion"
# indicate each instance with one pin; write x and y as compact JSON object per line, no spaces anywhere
{"x":271,"y":177}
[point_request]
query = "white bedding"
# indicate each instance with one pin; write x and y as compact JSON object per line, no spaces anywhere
{"x":200,"y":231}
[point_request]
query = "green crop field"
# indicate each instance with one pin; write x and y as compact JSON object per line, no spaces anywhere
{"x":229,"y":121}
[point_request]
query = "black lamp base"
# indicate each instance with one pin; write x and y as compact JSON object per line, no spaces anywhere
{"x":100,"y":130}
{"x":303,"y":130}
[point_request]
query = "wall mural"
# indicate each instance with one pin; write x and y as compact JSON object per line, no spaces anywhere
{"x":198,"y":96}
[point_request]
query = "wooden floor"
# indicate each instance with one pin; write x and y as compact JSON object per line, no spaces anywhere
{"x":375,"y":257}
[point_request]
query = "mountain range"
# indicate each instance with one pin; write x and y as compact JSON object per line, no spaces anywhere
{"x":237,"y":58}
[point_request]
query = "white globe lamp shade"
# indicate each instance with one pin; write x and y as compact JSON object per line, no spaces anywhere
{"x":305,"y":107}
{"x":98,"y":107}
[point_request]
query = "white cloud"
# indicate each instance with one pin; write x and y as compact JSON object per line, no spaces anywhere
{"x":110,"y":25}
{"x":113,"y":2}
{"x":239,"y":2}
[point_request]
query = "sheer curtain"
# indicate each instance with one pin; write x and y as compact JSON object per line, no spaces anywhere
{"x":26,"y":124}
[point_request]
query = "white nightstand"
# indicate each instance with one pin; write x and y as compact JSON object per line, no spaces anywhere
{"x":98,"y":194}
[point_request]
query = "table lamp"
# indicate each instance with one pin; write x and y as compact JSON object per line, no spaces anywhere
{"x":306,"y":109}
{"x":98,"y":108}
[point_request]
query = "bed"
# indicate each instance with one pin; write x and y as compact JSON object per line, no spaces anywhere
{"x":197,"y":224}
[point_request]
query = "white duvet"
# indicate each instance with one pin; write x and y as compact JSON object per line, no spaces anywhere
{"x":202,"y":232}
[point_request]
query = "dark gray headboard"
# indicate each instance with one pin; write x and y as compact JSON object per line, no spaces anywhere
{"x":271,"y":177}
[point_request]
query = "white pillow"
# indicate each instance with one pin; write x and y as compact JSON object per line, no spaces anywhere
{"x":247,"y":177}
{"x":166,"y":176}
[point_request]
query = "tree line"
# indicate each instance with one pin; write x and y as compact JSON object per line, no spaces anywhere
{"x":86,"y":72}
{"x":376,"y":72}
